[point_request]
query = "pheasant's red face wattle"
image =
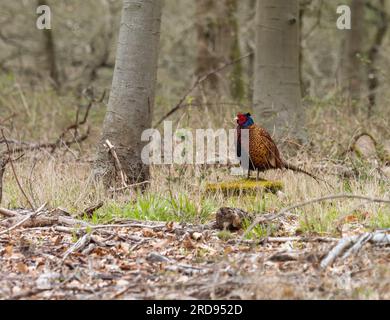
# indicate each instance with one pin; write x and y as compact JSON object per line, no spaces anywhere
{"x":241,"y":119}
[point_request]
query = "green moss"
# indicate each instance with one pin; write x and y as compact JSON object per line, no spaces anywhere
{"x":224,"y":235}
{"x":244,"y":187}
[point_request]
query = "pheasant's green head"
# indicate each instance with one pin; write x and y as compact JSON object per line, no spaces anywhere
{"x":244,"y":120}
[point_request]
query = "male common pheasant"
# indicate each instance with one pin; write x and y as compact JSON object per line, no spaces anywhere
{"x":263,"y":152}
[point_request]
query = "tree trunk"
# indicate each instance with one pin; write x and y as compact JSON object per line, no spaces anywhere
{"x":353,"y":66}
{"x":50,"y":52}
{"x":250,"y":15}
{"x":303,"y":4}
{"x":277,"y":92}
{"x":373,"y":82}
{"x":132,"y":95}
{"x":228,"y":49}
{"x":206,"y":37}
{"x":218,"y":43}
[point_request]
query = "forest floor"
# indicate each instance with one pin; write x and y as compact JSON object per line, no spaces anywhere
{"x":149,"y":260}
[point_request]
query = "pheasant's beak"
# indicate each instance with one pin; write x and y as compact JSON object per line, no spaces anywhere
{"x":235,"y":119}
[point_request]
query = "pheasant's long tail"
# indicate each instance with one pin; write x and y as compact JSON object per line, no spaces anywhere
{"x":297,"y":169}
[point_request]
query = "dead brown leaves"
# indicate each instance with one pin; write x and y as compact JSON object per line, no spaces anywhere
{"x":152,"y":260}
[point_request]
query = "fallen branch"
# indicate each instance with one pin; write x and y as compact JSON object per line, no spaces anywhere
{"x":21,"y":222}
{"x":354,"y":244}
{"x":68,"y":224}
{"x":283,"y":240}
{"x":8,"y":213}
{"x":43,"y":220}
{"x":78,"y":246}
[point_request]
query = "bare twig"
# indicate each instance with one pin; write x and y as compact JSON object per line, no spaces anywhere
{"x":26,"y":146}
{"x":197,"y":82}
{"x":14,"y":171}
{"x":305,"y":203}
{"x":76,"y":125}
{"x":117,"y":162}
{"x":129,"y":186}
{"x":78,"y":246}
{"x":55,"y":145}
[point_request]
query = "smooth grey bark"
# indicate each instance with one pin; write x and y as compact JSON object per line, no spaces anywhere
{"x":133,"y":89}
{"x":277,"y":93}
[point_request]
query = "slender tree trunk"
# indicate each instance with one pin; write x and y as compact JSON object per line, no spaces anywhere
{"x":133,"y":89}
{"x":218,"y":43}
{"x":250,"y":14}
{"x":303,"y":4}
{"x":277,"y":92}
{"x":228,"y":48}
{"x":206,"y":29}
{"x":372,"y":72}
{"x":50,"y":51}
{"x":353,"y":67}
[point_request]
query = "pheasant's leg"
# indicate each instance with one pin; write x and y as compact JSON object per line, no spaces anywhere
{"x":257,"y":175}
{"x":249,"y":173}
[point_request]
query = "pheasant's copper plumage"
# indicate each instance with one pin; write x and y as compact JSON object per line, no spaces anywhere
{"x":263,"y":152}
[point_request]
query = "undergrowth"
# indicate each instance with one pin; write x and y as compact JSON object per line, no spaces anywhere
{"x":180,"y":193}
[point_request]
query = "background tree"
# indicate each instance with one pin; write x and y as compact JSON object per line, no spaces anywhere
{"x":49,"y":50}
{"x":133,"y":91}
{"x":248,"y":28}
{"x":277,"y":92}
{"x":352,"y":66}
{"x":218,"y":43}
{"x":382,"y":23}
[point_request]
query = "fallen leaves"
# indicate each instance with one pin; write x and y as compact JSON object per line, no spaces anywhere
{"x":171,"y":260}
{"x":8,"y":250}
{"x":21,"y":267}
{"x":148,"y":233}
{"x":188,"y":243}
